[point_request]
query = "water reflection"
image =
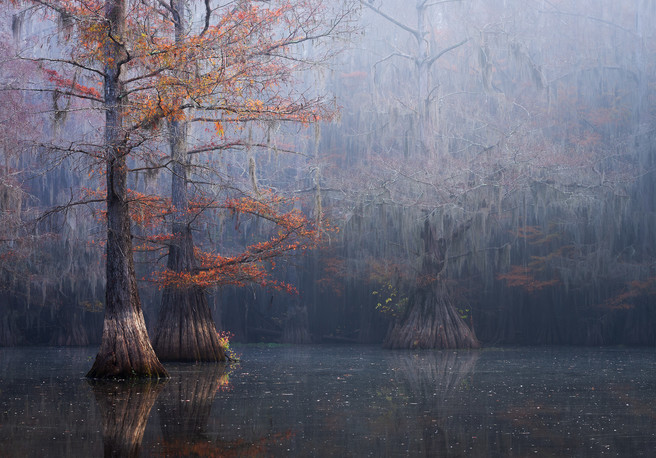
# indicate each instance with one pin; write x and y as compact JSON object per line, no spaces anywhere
{"x":431,"y":419}
{"x":185,"y":407}
{"x":124,"y":408}
{"x":337,"y":401}
{"x":185,"y":416}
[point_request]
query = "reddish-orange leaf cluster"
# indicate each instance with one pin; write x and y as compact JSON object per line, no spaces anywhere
{"x":68,"y":84}
{"x":634,"y":291}
{"x":525,"y":277}
{"x":333,"y":273}
{"x":146,"y":210}
{"x":294,"y":232}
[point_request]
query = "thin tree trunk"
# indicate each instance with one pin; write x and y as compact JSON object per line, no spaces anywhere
{"x":125,"y":350}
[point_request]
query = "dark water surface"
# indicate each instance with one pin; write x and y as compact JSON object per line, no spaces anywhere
{"x":337,"y":401}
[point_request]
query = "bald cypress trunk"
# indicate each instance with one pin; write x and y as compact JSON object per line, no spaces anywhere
{"x":125,"y":350}
{"x":431,"y":319}
{"x":296,"y":329}
{"x":186,"y":329}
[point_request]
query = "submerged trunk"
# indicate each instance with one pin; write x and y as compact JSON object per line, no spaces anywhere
{"x":10,"y":334}
{"x":72,"y":332}
{"x":186,"y":330}
{"x":432,"y":321}
{"x":125,"y":350}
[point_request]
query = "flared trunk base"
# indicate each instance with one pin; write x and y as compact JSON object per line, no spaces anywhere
{"x":186,"y":331}
{"x":432,"y":322}
{"x":125,"y":351}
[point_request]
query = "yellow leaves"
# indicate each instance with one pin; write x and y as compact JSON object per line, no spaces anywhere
{"x":218,"y":128}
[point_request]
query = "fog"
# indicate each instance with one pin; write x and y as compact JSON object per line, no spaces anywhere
{"x":487,"y":178}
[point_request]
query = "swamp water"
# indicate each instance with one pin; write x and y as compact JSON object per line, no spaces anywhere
{"x":337,"y":401}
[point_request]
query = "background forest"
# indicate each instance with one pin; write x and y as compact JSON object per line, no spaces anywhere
{"x":501,"y":149}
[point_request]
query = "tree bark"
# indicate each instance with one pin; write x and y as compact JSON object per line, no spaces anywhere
{"x":431,"y":322}
{"x":185,"y":329}
{"x":296,"y":330}
{"x":125,"y":350}
{"x":72,"y":332}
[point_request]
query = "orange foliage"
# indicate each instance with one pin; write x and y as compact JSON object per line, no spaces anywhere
{"x":333,"y":271}
{"x":225,"y":449}
{"x":238,"y":68}
{"x":635,"y":290}
{"x":535,"y":236}
{"x":76,"y":89}
{"x":146,"y":210}
{"x":294,"y":232}
{"x":524,"y":277}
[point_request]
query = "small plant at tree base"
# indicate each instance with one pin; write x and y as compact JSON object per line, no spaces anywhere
{"x":224,"y":341}
{"x":389,"y":301}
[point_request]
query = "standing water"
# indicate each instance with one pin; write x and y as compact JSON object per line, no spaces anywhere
{"x":337,"y":401}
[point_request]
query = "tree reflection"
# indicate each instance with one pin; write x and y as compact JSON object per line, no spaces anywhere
{"x":426,"y":408}
{"x":124,"y":407}
{"x":185,"y":408}
{"x":436,"y":373}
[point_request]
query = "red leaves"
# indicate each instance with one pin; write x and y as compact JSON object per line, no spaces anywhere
{"x":293,"y":232}
{"x":537,"y":274}
{"x":146,"y":210}
{"x":634,"y":291}
{"x":525,"y":277}
{"x":69,"y":84}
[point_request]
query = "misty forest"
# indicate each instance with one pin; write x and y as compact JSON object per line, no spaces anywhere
{"x":453,"y":187}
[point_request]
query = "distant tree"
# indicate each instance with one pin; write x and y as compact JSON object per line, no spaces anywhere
{"x":19,"y":244}
{"x":423,"y":55}
{"x":530,"y":124}
{"x":429,"y":318}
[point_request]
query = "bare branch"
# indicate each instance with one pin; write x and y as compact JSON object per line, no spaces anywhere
{"x":72,"y":63}
{"x":432,"y":59}
{"x":405,"y":27}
